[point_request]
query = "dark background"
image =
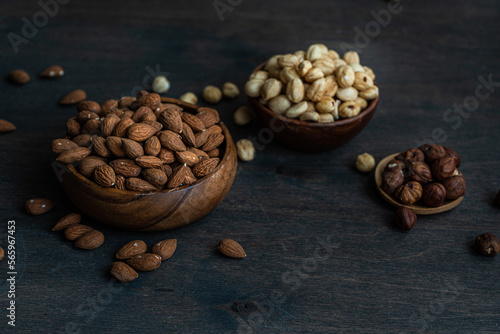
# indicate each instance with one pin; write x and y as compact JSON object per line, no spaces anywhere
{"x":368,"y":277}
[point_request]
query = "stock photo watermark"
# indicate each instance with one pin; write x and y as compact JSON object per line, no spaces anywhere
{"x":31,"y":28}
{"x":221,"y":7}
{"x":11,"y":272}
{"x":454,"y":117}
{"x":293,"y":280}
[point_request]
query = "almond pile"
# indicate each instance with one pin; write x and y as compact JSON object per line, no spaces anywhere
{"x":134,"y":252}
{"x":85,"y":237}
{"x":141,"y":144}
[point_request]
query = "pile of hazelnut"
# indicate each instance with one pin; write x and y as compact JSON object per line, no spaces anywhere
{"x":428,"y":175}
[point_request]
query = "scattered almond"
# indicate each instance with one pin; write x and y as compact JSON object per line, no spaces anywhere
{"x":1,"y":253}
{"x":66,"y":221}
{"x":131,"y":249}
{"x":165,"y":249}
{"x":19,"y":77}
{"x":54,"y":71}
{"x":232,"y":249}
{"x":6,"y":126}
{"x":90,"y":240}
{"x":123,"y":272}
{"x":145,"y":262}
{"x":74,"y":97}
{"x":38,"y":206}
{"x":73,"y":232}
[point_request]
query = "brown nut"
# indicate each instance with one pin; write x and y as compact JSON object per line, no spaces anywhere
{"x":488,"y":244}
{"x":443,"y":168}
{"x":432,"y":152}
{"x":391,"y":180}
{"x":452,"y":153}
{"x":414,"y":155}
{"x":434,"y":195}
{"x":409,"y":193}
{"x":455,"y":187}
{"x":420,"y":171}
{"x":394,"y":164}
{"x":405,"y":218}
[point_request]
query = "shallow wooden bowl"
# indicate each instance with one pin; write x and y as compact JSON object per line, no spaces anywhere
{"x":418,"y":208}
{"x":156,"y":211}
{"x":307,"y":136}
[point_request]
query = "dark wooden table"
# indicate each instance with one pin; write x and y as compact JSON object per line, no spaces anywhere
{"x":323,"y":253}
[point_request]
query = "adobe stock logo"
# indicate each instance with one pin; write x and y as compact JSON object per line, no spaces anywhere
{"x":40,"y":19}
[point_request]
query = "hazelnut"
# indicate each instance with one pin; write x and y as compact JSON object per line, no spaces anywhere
{"x":434,"y":195}
{"x":488,"y":244}
{"x":432,"y":152}
{"x":414,"y":155}
{"x":365,"y":162}
{"x":160,"y":84}
{"x":443,"y":168}
{"x":230,"y":90}
{"x":420,"y":172}
{"x":405,"y":218}
{"x":212,"y":94}
{"x":455,"y":187}
{"x":453,"y":154}
{"x":391,"y":180}
{"x":242,"y":116}
{"x":409,"y":193}
{"x":395,"y":164}
{"x":189,"y":97}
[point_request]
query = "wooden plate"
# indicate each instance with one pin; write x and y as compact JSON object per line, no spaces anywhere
{"x":418,"y":208}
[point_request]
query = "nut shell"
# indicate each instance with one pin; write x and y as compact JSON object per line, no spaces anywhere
{"x":409,"y":193}
{"x":455,"y":187}
{"x":488,"y":244}
{"x":405,"y":218}
{"x":434,"y":195}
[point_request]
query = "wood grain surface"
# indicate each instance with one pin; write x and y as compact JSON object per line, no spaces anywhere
{"x":323,"y":254}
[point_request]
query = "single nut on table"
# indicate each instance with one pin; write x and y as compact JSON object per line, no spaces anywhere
{"x":189,"y":97}
{"x":212,"y":94}
{"x":123,"y":272}
{"x":160,"y":84}
{"x":434,"y":195}
{"x":165,"y":248}
{"x":2,"y":253}
{"x":6,"y":126}
{"x":405,"y":218}
{"x":280,"y":104}
{"x":231,"y":248}
{"x":54,"y":71}
{"x":230,"y":90}
{"x":90,"y":240}
{"x":365,"y":162}
{"x":488,"y":244}
{"x":38,"y":206}
{"x":19,"y":77}
{"x":68,"y":220}
{"x":245,"y":150}
{"x":145,"y":262}
{"x":131,"y":249}
{"x":242,"y":116}
{"x":74,"y":97}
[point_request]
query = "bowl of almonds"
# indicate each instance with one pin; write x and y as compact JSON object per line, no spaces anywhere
{"x":313,"y":100}
{"x":145,"y":163}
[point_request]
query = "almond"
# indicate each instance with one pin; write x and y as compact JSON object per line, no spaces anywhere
{"x":73,"y":155}
{"x":85,"y":115}
{"x":190,"y":178}
{"x":73,"y":232}
{"x":108,"y":124}
{"x":139,"y":185}
{"x":208,"y":116}
{"x":171,"y":141}
{"x":123,"y":272}
{"x":132,"y":148}
{"x":194,"y":122}
{"x":213,"y":141}
{"x":88,"y":165}
{"x":120,"y":182}
{"x":214,"y":153}
{"x":178,"y":176}
{"x":232,"y":249}
{"x":109,"y":105}
{"x":122,"y":127}
{"x":99,"y":146}
{"x":91,"y":106}
{"x":156,"y":125}
{"x":166,"y":169}
{"x":140,"y":132}
{"x":147,"y":161}
{"x":125,"y":167}
{"x":201,"y":154}
{"x":2,"y":253}
{"x":152,"y":101}
{"x":73,"y":128}
{"x":187,"y":157}
{"x":145,"y":262}
{"x":74,"y":97}
{"x":152,"y":146}
{"x":126,"y":101}
{"x":61,"y":145}
{"x":82,"y":140}
{"x":38,"y":206}
{"x":171,"y":120}
{"x":54,"y":71}
{"x":6,"y":126}
{"x":114,"y":144}
{"x":201,"y":138}
{"x":91,"y":126}
{"x":165,"y":249}
{"x":140,"y":113}
{"x":166,"y":156}
{"x":131,"y":249}
{"x":19,"y":77}
{"x":187,"y":135}
{"x":205,"y":167}
{"x":214,"y":129}
{"x":156,"y":177}
{"x":104,"y":175}
{"x":68,"y":220}
{"x":90,"y":240}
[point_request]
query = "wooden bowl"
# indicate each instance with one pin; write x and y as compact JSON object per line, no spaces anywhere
{"x":418,"y":208}
{"x":156,"y":211}
{"x":307,"y":136}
